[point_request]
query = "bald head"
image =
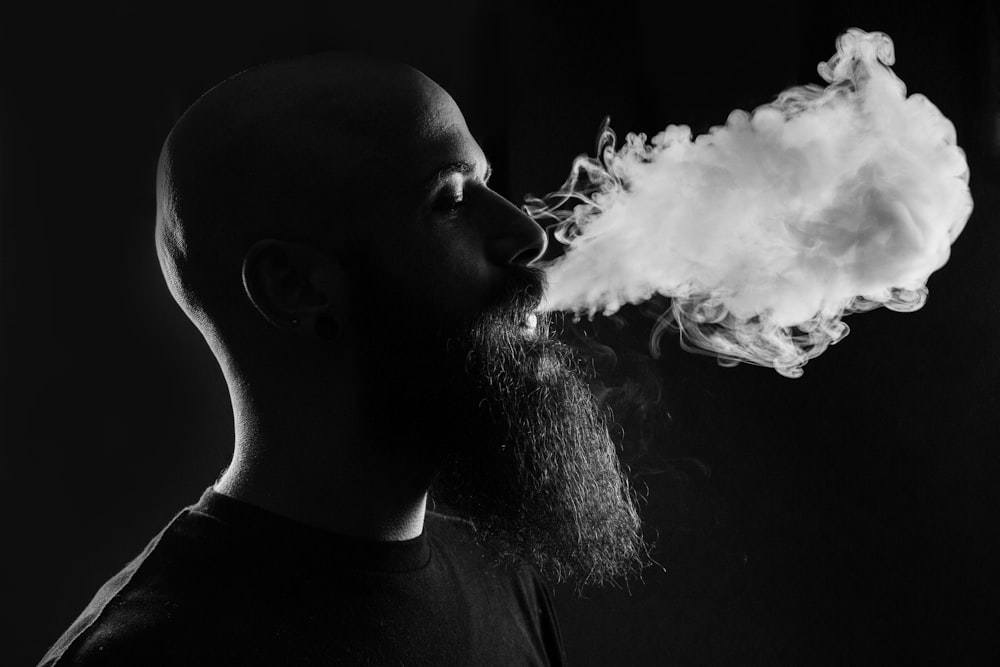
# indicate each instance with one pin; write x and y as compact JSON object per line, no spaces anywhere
{"x":297,"y":151}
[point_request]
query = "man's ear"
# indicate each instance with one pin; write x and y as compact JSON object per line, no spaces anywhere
{"x":295,"y":285}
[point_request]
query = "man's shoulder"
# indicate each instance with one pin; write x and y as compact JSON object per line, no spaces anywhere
{"x":139,"y":629}
{"x":147,"y":631}
{"x":148,"y":612}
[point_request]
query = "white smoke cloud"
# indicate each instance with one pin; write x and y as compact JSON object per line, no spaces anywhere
{"x":767,"y":230}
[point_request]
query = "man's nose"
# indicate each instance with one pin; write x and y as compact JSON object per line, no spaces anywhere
{"x":517,"y":239}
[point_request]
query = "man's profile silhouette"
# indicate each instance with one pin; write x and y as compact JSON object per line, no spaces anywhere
{"x":327,"y":225}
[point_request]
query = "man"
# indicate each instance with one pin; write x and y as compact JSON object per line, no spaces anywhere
{"x":327,"y":225}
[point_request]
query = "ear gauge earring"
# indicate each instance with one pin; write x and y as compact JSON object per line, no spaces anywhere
{"x":327,"y":328}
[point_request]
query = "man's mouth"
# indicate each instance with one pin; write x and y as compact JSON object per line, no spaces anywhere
{"x":529,"y":325}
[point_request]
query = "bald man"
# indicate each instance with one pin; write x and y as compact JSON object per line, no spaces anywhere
{"x":328,"y":226}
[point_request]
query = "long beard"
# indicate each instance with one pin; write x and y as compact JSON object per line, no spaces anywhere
{"x":528,"y":458}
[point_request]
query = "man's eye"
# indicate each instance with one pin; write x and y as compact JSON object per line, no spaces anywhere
{"x":449,"y":202}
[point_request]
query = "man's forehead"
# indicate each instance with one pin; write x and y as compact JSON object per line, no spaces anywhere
{"x":413,"y":142}
{"x":356,"y":94}
{"x":379,"y":99}
{"x":361,"y":122}
{"x":390,"y":110}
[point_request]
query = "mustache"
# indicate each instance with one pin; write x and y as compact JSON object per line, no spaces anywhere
{"x":521,"y":293}
{"x":499,"y":325}
{"x":500,"y":318}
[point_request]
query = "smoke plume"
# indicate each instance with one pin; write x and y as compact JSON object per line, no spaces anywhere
{"x":766,"y":231}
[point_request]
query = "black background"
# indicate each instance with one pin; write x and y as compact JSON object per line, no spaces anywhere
{"x":848,"y":517}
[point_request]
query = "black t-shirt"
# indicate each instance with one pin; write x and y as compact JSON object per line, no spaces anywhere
{"x":229,"y":583}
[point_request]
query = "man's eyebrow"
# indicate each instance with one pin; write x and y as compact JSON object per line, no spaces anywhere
{"x":461,"y":167}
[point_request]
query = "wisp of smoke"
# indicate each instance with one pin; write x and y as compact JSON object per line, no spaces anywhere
{"x":766,"y":231}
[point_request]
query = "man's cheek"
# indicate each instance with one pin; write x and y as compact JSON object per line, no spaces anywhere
{"x":465,"y":300}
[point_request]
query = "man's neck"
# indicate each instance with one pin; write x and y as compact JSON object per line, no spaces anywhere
{"x":325,"y":486}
